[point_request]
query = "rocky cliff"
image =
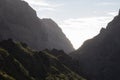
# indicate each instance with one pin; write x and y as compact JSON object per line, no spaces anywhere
{"x":20,"y":22}
{"x":100,"y":57}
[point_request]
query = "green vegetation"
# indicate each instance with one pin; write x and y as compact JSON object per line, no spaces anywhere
{"x":18,"y":62}
{"x":5,"y":76}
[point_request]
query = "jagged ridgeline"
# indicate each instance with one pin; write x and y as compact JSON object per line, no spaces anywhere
{"x":19,"y":62}
{"x":19,"y":21}
{"x":100,"y":57}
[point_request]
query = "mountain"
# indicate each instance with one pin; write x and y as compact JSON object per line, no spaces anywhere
{"x":19,"y":62}
{"x":19,"y":21}
{"x":100,"y":57}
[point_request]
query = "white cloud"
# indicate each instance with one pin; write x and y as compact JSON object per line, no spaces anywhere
{"x":36,"y":2}
{"x":42,"y":5}
{"x":113,"y":13}
{"x":107,"y":3}
{"x":81,"y":29}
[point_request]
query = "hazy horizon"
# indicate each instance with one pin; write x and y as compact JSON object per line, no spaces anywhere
{"x":80,"y":20}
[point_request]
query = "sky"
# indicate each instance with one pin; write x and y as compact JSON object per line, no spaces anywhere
{"x":79,"y":19}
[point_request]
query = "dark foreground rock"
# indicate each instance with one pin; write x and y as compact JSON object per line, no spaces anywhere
{"x":19,"y":62}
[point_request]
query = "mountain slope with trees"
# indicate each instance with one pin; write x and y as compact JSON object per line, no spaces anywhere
{"x":19,"y":62}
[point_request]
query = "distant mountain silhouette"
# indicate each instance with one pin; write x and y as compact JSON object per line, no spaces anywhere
{"x":100,"y":57}
{"x":20,"y":22}
{"x":19,"y":62}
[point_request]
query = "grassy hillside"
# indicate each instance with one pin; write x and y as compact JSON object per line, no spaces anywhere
{"x":19,"y":62}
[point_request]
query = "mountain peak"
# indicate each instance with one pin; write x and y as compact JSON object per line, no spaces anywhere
{"x":19,"y":22}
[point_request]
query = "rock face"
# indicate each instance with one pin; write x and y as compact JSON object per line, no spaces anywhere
{"x":100,"y":56}
{"x":20,"y":22}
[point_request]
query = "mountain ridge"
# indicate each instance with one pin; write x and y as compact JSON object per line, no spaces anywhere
{"x":99,"y":56}
{"x":20,"y":22}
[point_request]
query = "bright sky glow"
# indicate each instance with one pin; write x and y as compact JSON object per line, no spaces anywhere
{"x":79,"y":19}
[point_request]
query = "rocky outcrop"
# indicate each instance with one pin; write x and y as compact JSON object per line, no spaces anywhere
{"x":20,"y":22}
{"x":100,"y":56}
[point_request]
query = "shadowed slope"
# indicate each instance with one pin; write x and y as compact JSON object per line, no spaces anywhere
{"x":20,"y":22}
{"x":100,"y":57}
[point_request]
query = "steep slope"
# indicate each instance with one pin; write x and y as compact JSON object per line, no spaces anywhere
{"x":20,"y":22}
{"x":66,"y":60}
{"x":11,"y":67}
{"x":100,"y":56}
{"x":19,"y":62}
{"x":55,"y":36}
